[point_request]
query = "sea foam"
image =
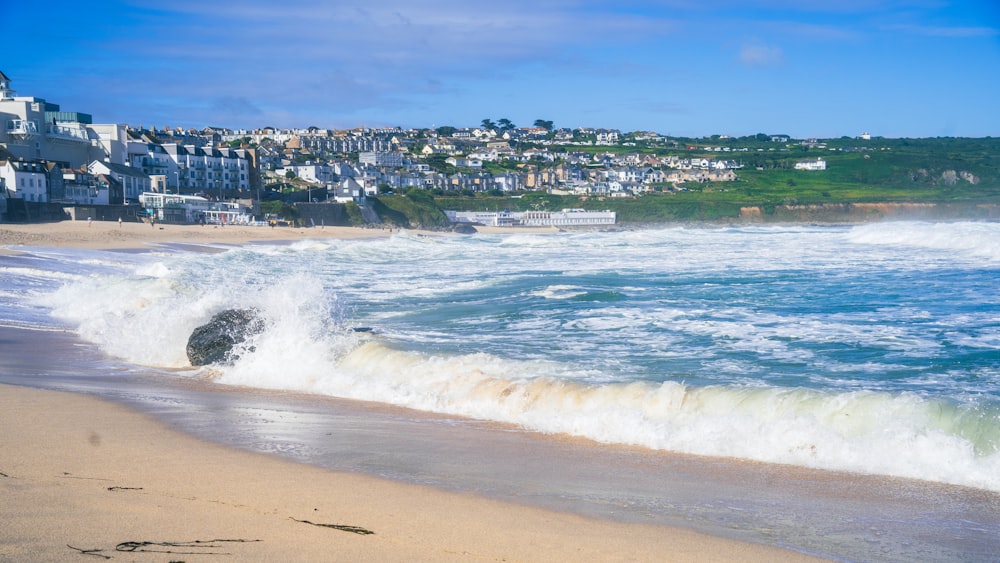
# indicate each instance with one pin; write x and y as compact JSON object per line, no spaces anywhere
{"x":797,"y":345}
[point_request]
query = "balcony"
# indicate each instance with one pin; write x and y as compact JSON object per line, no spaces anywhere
{"x":153,"y":163}
{"x":63,"y":133}
{"x":21,"y":129}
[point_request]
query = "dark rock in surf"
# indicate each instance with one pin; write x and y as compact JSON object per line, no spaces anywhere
{"x":465,"y":229}
{"x":213,"y":342}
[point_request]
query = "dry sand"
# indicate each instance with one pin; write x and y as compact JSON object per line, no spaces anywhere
{"x":111,"y":235}
{"x":78,"y":473}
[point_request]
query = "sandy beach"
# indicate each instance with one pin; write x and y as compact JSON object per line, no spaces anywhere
{"x":111,"y":235}
{"x":82,"y":477}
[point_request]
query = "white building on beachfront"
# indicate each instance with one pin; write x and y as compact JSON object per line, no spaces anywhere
{"x":186,"y":209}
{"x":564,"y":218}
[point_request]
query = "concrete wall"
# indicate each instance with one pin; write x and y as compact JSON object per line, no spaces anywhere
{"x":333,"y":214}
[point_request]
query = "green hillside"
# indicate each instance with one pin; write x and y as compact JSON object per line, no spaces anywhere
{"x":957,"y":175}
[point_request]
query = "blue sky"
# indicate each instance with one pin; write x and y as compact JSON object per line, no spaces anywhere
{"x":808,"y":68}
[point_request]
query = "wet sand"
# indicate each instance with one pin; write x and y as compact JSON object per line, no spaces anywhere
{"x":81,"y":474}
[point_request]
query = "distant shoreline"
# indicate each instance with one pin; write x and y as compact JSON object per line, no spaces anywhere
{"x":110,"y":235}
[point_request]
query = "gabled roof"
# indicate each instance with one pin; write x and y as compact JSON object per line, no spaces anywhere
{"x":31,"y":166}
{"x":123,"y":170}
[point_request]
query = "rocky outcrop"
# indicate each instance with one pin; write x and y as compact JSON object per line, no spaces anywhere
{"x":868,"y":212}
{"x":213,"y":342}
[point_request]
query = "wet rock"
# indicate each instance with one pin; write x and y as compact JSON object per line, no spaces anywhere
{"x":213,"y":342}
{"x":465,"y":229}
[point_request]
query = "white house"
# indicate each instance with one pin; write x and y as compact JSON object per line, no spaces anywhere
{"x":465,"y":162}
{"x":321,"y":173}
{"x":349,"y":189}
{"x":27,"y":180}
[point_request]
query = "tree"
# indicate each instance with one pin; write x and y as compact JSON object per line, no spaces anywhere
{"x":547,"y":125}
{"x":505,"y":124}
{"x":445,"y":131}
{"x":488,"y":124}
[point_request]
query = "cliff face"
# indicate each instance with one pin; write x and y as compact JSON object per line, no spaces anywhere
{"x":866,"y":212}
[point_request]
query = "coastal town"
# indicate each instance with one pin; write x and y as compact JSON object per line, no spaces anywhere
{"x":56,"y":163}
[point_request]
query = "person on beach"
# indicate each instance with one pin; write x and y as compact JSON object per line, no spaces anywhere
{"x":90,"y":221}
{"x":119,"y":221}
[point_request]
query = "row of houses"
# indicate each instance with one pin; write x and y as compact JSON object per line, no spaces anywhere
{"x":50,"y":155}
{"x":577,"y":178}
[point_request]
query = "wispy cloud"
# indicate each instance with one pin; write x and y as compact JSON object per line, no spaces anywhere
{"x":757,"y":54}
{"x":944,"y":31}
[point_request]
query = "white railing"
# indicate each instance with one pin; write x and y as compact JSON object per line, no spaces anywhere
{"x":21,"y":127}
{"x":67,"y":133}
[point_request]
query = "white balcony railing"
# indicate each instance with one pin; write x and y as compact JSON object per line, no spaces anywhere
{"x":70,"y":133}
{"x":21,"y":127}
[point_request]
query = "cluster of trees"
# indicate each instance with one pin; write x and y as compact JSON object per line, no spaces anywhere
{"x":505,"y":124}
{"x":500,"y":125}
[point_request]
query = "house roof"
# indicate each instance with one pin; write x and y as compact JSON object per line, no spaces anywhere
{"x":123,"y":170}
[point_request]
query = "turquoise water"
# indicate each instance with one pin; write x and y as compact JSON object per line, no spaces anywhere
{"x":871,"y":349}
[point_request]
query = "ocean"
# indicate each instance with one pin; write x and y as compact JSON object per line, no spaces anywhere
{"x":860,"y":362}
